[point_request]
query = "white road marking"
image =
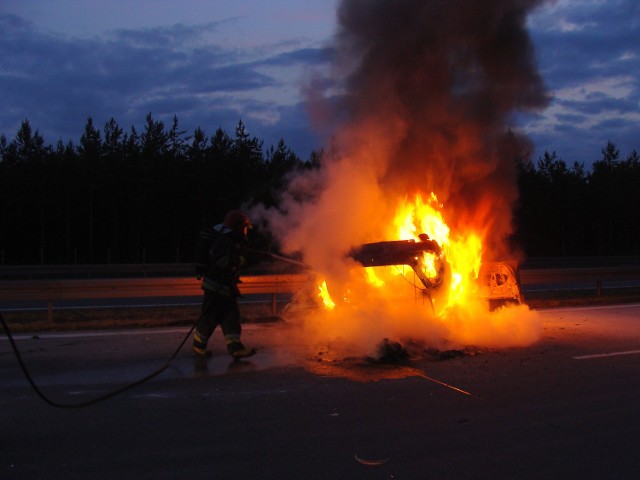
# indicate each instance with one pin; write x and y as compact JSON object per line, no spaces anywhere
{"x":591,"y":307}
{"x":602,"y":355}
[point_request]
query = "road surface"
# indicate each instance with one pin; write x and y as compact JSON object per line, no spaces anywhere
{"x":566,"y":407}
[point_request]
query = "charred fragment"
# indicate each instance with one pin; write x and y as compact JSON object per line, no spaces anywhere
{"x":402,"y":252}
{"x":391,"y":353}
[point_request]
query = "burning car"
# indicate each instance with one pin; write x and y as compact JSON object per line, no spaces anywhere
{"x":497,"y":282}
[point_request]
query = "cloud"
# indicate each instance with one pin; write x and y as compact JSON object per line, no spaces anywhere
{"x":214,"y":72}
{"x":57,"y":81}
{"x":587,"y":55}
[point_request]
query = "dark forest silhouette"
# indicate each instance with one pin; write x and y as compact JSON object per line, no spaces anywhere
{"x":571,"y":212}
{"x":129,"y":197}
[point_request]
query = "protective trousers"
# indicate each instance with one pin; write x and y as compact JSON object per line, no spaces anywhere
{"x":218,"y":310}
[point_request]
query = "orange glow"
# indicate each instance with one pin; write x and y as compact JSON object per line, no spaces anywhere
{"x":437,"y":299}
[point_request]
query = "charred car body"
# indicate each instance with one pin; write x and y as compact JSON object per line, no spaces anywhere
{"x":498,"y":282}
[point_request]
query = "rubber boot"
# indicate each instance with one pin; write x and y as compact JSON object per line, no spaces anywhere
{"x":237,"y":350}
{"x":200,"y":345}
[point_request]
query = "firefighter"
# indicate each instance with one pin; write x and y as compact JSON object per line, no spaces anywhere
{"x":220,"y":285}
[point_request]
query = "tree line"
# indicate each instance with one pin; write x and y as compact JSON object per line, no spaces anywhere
{"x":568,"y":211}
{"x":127,"y":197}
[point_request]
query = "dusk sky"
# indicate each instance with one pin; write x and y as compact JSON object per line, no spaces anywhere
{"x":212,"y":63}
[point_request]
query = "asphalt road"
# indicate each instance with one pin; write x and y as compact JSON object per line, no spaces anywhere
{"x":565,"y":408}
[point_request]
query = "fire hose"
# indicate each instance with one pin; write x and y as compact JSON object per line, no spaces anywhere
{"x":128,"y":386}
{"x":395,"y":252}
{"x":142,"y":380}
{"x":280,"y":258}
{"x":93,"y":401}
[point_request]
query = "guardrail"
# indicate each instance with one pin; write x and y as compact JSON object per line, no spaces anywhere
{"x":54,"y":290}
{"x":138,"y":287}
{"x":567,"y":276}
{"x":51,"y":290}
{"x":126,"y":270}
{"x":533,"y":269}
{"x":112,"y":270}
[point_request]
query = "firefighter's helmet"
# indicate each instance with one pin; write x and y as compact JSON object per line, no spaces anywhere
{"x":237,"y":221}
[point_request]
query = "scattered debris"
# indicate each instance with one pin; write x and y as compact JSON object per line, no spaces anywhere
{"x":449,"y":354}
{"x":390,"y":352}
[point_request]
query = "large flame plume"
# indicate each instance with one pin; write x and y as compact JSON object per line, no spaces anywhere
{"x":419,"y":100}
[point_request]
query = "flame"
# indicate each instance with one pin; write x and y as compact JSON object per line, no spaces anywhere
{"x":465,"y":257}
{"x":414,"y":218}
{"x":368,"y":304}
{"x":462,"y":252}
{"x":329,"y":304}
{"x":373,"y":278}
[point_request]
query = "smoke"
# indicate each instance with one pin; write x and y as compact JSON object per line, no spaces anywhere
{"x":437,"y":81}
{"x":420,"y":97}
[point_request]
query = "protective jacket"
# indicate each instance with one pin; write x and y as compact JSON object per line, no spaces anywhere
{"x":222,"y":273}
